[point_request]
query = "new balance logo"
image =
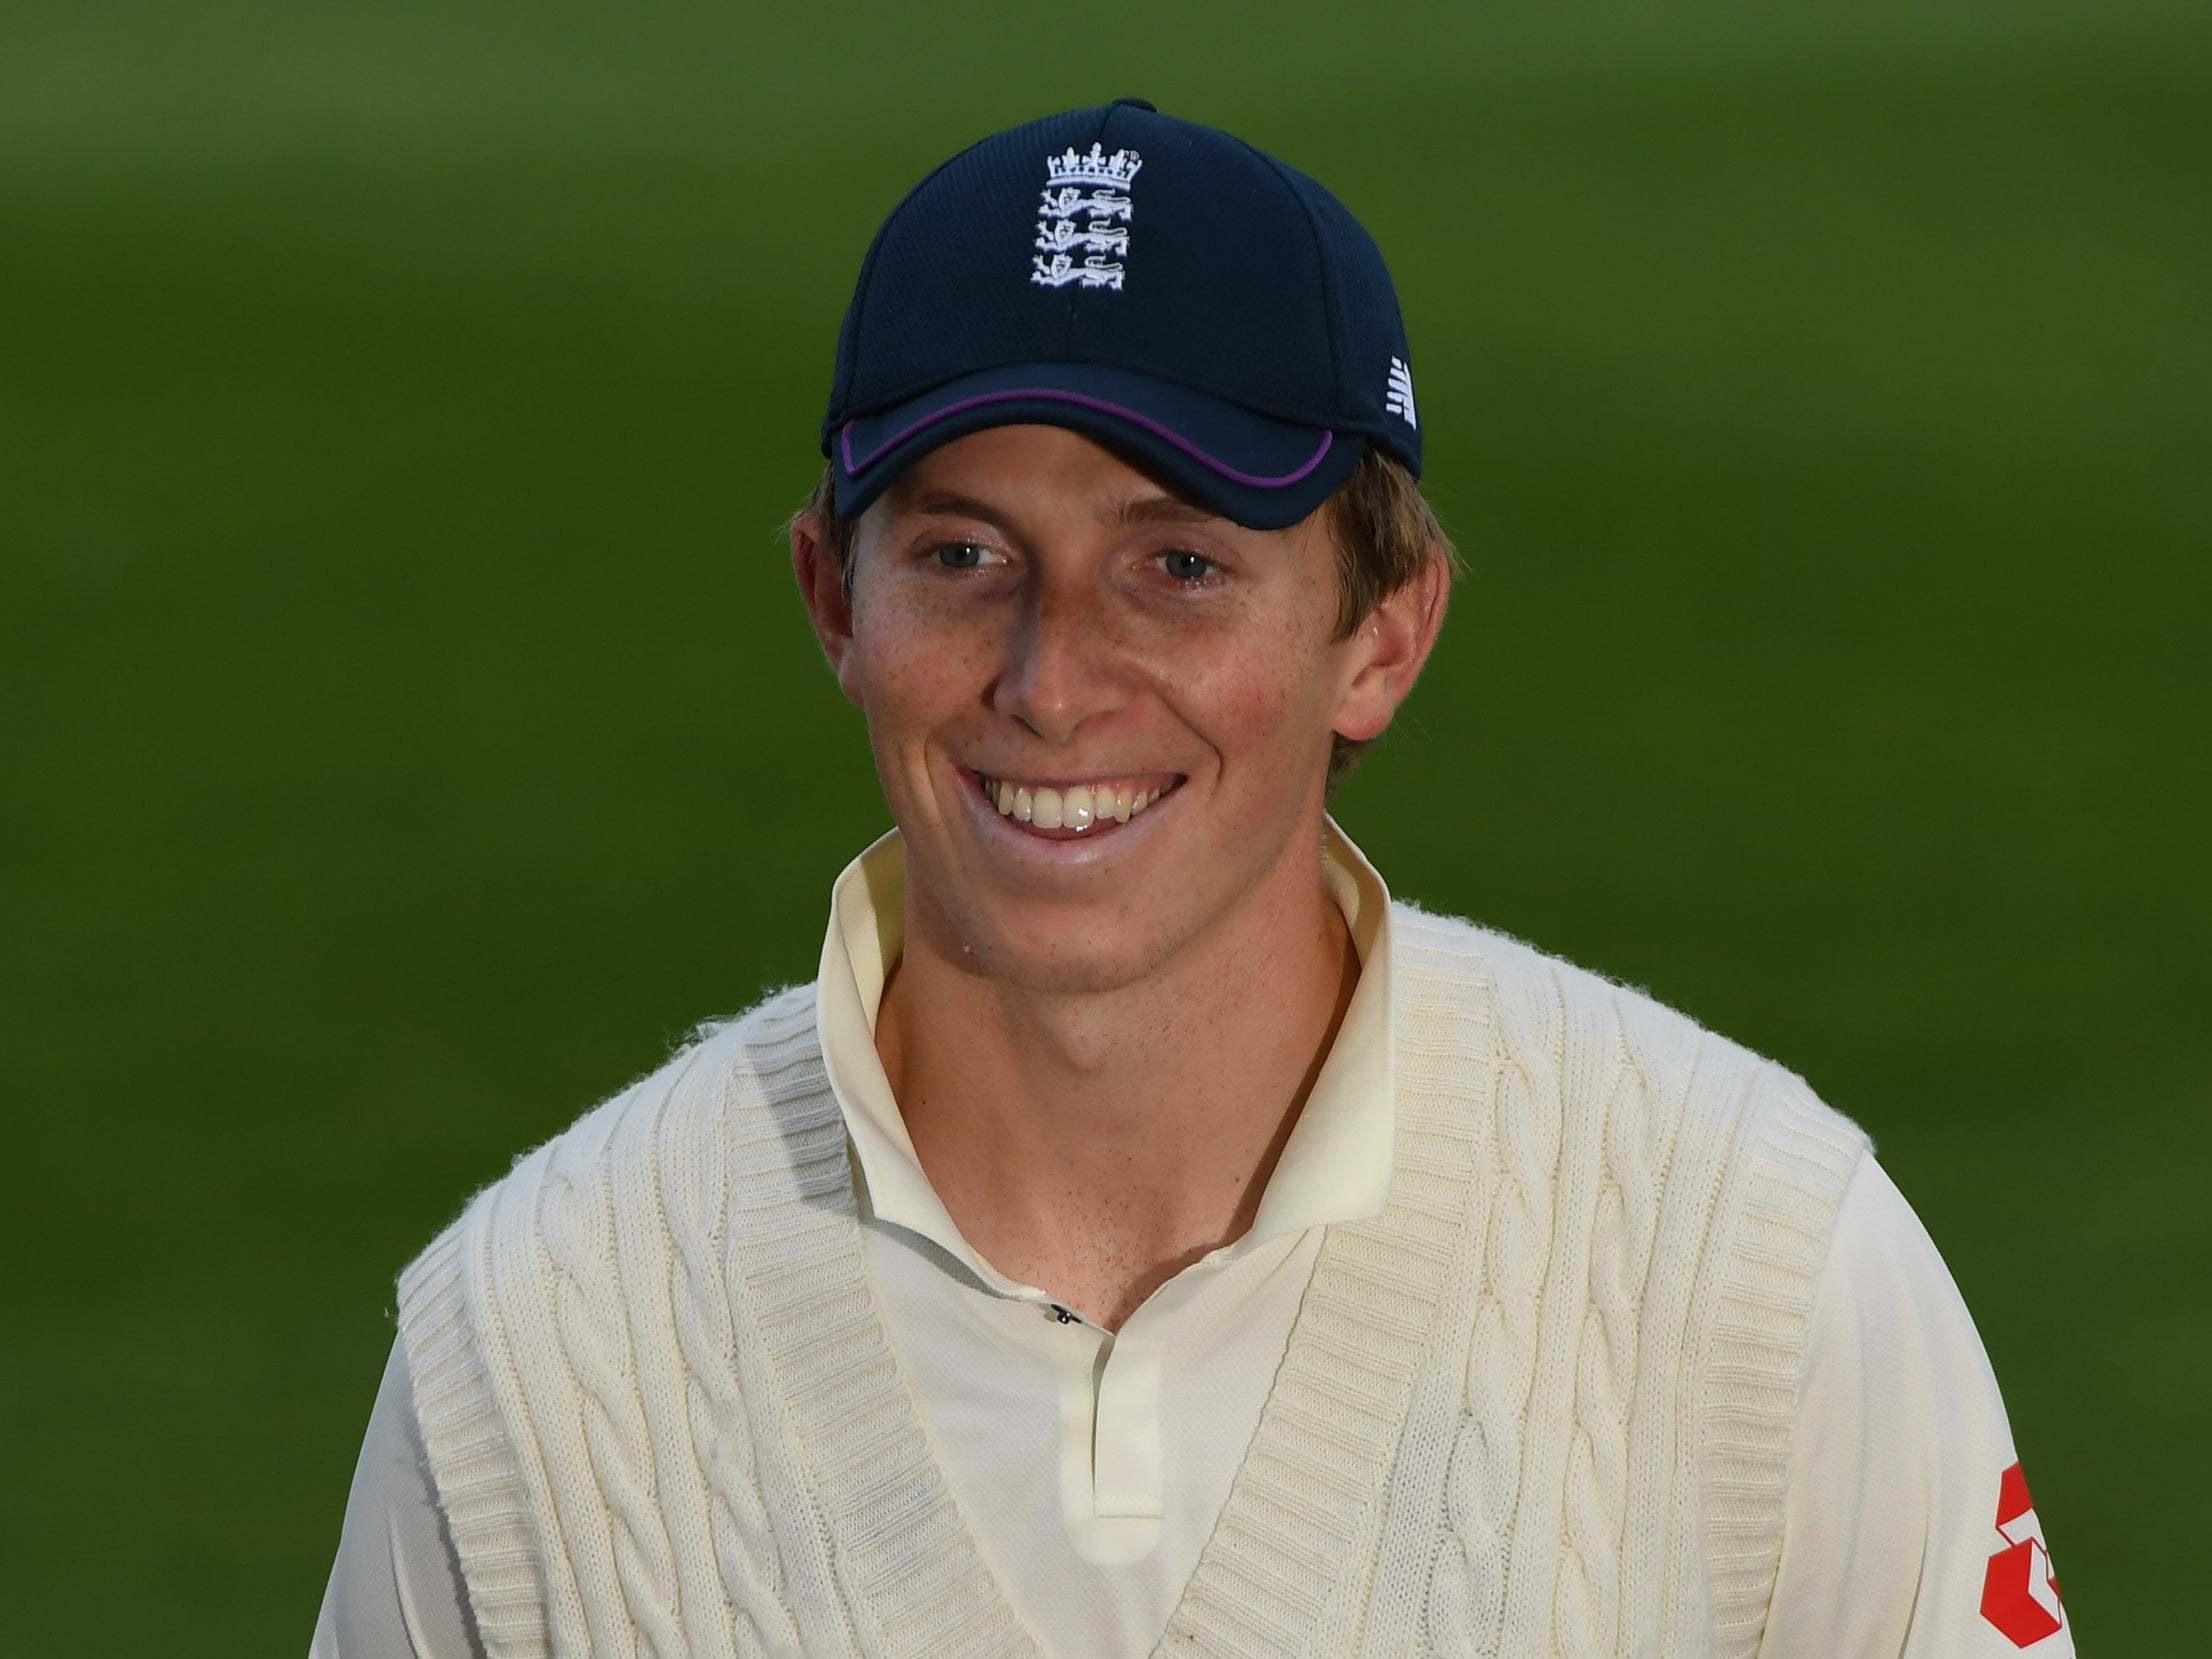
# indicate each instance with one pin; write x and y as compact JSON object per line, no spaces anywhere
{"x":1398,"y":393}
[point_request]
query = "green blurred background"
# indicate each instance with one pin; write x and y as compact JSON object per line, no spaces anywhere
{"x":410,"y":731}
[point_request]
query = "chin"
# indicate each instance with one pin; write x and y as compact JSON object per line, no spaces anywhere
{"x":1068,"y":967}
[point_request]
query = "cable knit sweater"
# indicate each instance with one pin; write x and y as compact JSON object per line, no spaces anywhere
{"x":1542,"y":1404}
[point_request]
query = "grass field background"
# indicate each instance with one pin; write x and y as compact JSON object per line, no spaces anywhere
{"x":410,"y":731}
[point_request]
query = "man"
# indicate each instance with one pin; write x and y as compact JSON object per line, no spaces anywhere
{"x":1143,"y":1236}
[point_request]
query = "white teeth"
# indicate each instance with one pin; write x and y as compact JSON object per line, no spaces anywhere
{"x":1079,"y":807}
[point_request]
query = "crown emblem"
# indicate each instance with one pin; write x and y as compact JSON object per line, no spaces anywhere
{"x":1084,"y":209}
{"x":1095,"y":167}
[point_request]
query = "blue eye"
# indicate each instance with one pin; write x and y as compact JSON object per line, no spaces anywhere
{"x":961,"y":555}
{"x":1186,"y":566}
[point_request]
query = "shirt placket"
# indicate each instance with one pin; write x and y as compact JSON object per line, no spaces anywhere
{"x":1125,"y":1433}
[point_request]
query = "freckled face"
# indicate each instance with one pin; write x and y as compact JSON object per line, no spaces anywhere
{"x":1031,"y":614}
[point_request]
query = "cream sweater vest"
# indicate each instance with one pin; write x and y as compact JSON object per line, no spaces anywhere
{"x":1543,"y":1404}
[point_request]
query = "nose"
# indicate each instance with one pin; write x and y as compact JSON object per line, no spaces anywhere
{"x":1059,"y":668}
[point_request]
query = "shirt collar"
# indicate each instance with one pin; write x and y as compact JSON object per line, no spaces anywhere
{"x":1335,"y":1166}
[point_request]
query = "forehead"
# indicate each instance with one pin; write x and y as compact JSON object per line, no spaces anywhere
{"x":1044,"y":472}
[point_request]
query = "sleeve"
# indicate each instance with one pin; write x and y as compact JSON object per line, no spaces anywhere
{"x":1907,"y":1533}
{"x":395,"y":1590}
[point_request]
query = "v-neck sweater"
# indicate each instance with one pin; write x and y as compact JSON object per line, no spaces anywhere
{"x":1542,"y":1402}
{"x":1092,"y":1465}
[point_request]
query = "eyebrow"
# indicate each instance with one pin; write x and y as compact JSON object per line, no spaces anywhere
{"x":945,"y":503}
{"x":1163,"y":509}
{"x":1136,"y":510}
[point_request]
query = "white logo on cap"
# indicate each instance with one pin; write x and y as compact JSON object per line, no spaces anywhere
{"x":1398,"y":393}
{"x":1086,"y":210}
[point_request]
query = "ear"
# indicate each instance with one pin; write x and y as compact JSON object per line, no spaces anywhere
{"x":822,"y":586}
{"x":1390,"y":648}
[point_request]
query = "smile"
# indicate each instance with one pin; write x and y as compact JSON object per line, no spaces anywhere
{"x":1064,"y":809}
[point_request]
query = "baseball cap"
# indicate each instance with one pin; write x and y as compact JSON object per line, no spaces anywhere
{"x":1211,"y":314}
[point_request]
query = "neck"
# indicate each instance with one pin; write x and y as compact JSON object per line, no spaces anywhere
{"x":1096,"y":1143}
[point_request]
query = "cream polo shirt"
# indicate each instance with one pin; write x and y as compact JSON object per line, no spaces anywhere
{"x":1140,"y":1431}
{"x":1092,"y":1465}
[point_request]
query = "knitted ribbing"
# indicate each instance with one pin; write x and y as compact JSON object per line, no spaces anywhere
{"x":1541,"y":1404}
{"x":1329,"y":1427}
{"x":1799,"y":1160}
{"x":917,"y":1581}
{"x":489,"y":1502}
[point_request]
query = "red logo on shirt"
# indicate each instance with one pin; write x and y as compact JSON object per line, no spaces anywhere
{"x":2019,"y":1595}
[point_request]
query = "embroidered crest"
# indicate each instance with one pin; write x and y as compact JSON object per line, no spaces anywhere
{"x":1398,"y":393}
{"x":1085,"y":203}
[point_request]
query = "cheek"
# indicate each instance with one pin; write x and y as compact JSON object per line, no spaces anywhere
{"x":910,"y":661}
{"x":1266,"y":705}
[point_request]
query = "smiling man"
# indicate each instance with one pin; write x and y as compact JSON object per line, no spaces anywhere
{"x":1144,"y":1236}
{"x":1103,"y":716}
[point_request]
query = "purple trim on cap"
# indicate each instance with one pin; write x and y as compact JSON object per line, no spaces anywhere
{"x":1051,"y":395}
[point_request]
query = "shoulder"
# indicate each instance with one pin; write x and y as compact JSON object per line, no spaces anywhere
{"x":1908,"y":1527}
{"x":1655,"y":1165}
{"x":592,"y":1271}
{"x":644,"y":1143}
{"x":1588,"y":1043}
{"x":1887,"y":1300}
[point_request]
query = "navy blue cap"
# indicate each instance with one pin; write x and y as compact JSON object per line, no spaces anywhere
{"x":1194,"y":304}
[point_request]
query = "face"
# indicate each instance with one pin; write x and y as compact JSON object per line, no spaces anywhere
{"x":1101,"y":715}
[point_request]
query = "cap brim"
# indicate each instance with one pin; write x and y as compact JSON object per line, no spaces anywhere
{"x":1256,"y":471}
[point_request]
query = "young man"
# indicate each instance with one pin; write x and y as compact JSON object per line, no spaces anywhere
{"x":1144,"y":1236}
